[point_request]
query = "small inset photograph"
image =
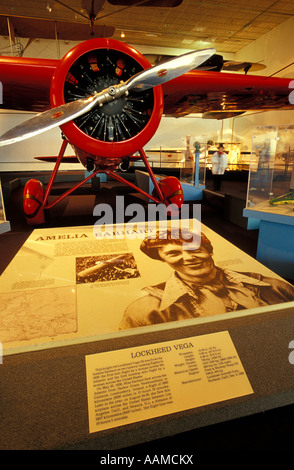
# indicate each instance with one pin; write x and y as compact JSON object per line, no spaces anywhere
{"x":106,"y":268}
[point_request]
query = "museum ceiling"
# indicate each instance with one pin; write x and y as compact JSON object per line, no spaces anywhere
{"x":182,"y":24}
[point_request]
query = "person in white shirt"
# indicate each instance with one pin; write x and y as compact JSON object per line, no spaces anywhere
{"x":219,"y":162}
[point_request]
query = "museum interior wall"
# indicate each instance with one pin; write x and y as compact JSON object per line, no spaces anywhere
{"x":275,"y":50}
{"x":20,"y":156}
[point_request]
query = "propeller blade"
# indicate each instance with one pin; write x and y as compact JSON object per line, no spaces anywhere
{"x":168,"y":70}
{"x":48,"y":120}
{"x":60,"y":115}
{"x":142,"y":81}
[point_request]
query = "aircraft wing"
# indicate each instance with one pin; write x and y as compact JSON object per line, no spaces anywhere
{"x":26,"y":87}
{"x":26,"y":83}
{"x":72,"y":158}
{"x":220,"y":94}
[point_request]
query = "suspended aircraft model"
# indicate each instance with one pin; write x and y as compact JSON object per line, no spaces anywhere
{"x":108,"y":102}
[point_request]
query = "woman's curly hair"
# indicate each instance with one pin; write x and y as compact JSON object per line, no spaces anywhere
{"x":150,"y":246}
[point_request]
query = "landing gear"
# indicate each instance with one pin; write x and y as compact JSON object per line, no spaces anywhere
{"x":33,"y":198}
{"x":172,"y":192}
{"x":167,"y":190}
{"x":124,"y":165}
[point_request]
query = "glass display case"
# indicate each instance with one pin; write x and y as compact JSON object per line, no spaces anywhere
{"x":271,"y":174}
{"x":193,"y":165}
{"x":270,"y":196}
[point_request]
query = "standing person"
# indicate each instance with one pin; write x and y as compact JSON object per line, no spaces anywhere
{"x":262,"y":178}
{"x":219,"y":162}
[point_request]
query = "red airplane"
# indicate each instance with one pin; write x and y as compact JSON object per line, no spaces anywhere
{"x":108,"y":102}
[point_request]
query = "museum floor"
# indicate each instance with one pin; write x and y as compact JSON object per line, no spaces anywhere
{"x":271,"y":430}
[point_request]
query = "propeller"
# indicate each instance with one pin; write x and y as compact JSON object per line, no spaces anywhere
{"x":144,"y":80}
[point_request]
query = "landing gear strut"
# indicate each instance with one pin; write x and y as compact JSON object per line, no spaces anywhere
{"x":167,"y":190}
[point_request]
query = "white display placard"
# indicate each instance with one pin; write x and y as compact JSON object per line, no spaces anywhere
{"x":135,"y":384}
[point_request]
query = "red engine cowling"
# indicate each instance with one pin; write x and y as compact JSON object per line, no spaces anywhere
{"x":106,"y":135}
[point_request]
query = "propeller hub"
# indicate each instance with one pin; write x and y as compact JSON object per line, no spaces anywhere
{"x":112,"y":91}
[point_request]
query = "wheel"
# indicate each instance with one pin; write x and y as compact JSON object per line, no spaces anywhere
{"x":33,"y":196}
{"x":124,"y":165}
{"x":172,"y":191}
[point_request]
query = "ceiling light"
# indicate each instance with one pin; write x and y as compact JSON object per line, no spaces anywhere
{"x":48,"y":8}
{"x":122,"y":35}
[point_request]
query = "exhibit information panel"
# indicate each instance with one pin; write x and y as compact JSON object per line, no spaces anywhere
{"x":140,"y":383}
{"x":68,"y":285}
